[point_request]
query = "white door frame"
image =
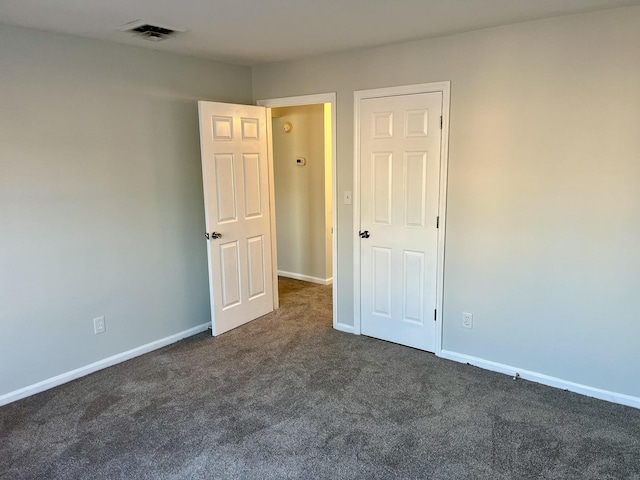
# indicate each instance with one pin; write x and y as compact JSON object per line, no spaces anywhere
{"x":359,"y":95}
{"x":296,"y":102}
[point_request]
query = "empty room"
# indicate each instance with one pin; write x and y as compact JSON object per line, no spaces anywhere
{"x":437,"y":280}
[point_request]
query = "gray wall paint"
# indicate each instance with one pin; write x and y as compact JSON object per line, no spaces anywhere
{"x":543,"y":203}
{"x":101,"y":209}
{"x":300,"y":190}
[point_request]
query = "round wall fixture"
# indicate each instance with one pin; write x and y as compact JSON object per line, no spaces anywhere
{"x":287,"y":127}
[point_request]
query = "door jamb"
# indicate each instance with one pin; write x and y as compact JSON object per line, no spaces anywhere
{"x":296,"y":102}
{"x":359,"y":95}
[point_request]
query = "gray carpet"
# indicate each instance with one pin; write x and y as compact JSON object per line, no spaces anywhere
{"x":286,"y":396}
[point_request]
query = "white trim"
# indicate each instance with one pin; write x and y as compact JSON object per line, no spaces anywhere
{"x":313,"y":100}
{"x":99,"y":365}
{"x":344,"y":328}
{"x":598,"y":393}
{"x":298,"y":101}
{"x":442,"y":212}
{"x":306,"y":278}
{"x":358,"y":96}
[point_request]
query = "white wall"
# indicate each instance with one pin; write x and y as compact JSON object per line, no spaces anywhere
{"x":101,"y":209}
{"x":543,"y":203}
{"x":300,"y":191}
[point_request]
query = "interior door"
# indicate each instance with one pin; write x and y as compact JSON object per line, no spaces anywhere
{"x":233,"y":140}
{"x":399,"y":177}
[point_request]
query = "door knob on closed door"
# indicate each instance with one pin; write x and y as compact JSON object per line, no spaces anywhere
{"x":364,"y":234}
{"x":215,"y":235}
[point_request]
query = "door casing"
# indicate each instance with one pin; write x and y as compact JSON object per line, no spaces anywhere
{"x":295,"y":102}
{"x":445,"y":88}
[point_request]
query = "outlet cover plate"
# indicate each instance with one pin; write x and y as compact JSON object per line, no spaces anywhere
{"x":467,"y":320}
{"x":99,"y":325}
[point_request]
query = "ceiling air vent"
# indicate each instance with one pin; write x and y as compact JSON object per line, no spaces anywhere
{"x":151,"y":32}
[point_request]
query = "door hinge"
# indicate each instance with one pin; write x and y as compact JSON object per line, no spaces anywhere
{"x":435,"y":315}
{"x":438,"y":221}
{"x":440,"y":122}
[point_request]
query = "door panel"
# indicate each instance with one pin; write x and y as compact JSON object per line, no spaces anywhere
{"x":252,"y":186}
{"x":230,"y":274}
{"x":257,"y":277}
{"x":413,"y":287}
{"x":225,"y":185}
{"x":382,"y":187}
{"x":415,"y":181}
{"x":381,"y":281}
{"x":235,"y":176}
{"x":399,"y":176}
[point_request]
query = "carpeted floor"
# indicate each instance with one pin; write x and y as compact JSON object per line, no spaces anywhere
{"x":286,"y":396}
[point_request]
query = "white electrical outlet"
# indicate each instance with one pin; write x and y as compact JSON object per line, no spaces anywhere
{"x":99,"y":325}
{"x":467,"y":320}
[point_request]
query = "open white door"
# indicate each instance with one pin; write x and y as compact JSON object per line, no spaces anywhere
{"x":233,"y":141}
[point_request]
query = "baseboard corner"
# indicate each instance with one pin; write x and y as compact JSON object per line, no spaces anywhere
{"x":344,"y":327}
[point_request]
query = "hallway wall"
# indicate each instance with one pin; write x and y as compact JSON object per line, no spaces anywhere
{"x":300,"y":193}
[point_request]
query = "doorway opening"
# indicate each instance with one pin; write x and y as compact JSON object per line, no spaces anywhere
{"x":302,"y":170}
{"x":302,"y":187}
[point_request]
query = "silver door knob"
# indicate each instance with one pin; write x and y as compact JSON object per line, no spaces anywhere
{"x":215,"y":235}
{"x":364,"y":234}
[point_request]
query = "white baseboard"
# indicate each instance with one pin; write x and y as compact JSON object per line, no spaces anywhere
{"x":306,"y":278}
{"x":344,"y":328}
{"x":99,"y":365}
{"x":614,"y":397}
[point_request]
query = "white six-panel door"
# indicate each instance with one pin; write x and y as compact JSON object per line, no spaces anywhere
{"x":400,"y":143}
{"x":233,"y":140}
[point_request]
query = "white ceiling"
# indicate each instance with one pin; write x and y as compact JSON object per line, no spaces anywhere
{"x":250,"y":32}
